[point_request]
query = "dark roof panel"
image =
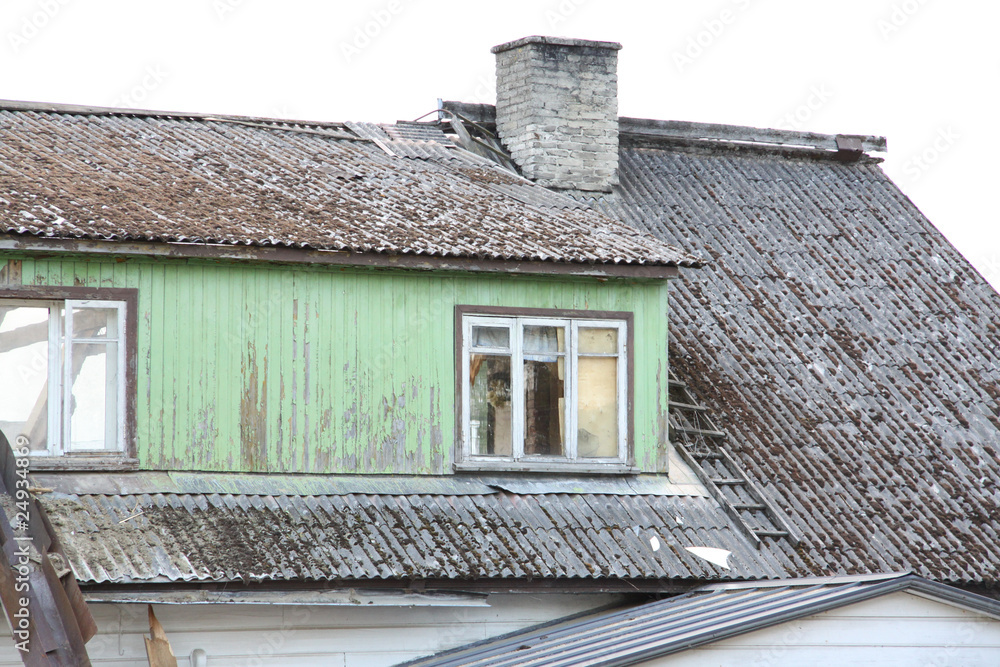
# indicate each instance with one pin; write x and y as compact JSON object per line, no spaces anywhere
{"x":213,"y":537}
{"x":851,"y":353}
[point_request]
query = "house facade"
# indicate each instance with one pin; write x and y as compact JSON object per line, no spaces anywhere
{"x":355,"y":394}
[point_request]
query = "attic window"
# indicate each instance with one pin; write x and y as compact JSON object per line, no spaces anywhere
{"x":544,"y":391}
{"x":63,"y":367}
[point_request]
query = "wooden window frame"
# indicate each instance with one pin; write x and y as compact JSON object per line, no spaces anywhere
{"x":466,"y":460}
{"x":118,"y":459}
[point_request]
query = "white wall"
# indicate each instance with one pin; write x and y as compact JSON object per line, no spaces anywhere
{"x":331,"y":636}
{"x":897,"y":630}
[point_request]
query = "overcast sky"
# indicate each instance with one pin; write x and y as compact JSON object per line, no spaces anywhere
{"x":923,"y":73}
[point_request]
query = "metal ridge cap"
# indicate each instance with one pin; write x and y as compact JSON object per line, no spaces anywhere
{"x":704,"y":132}
{"x":764,"y":137}
{"x":806,"y":581}
{"x":91,"y":110}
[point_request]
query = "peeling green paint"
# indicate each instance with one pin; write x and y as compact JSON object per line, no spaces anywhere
{"x":254,"y":367}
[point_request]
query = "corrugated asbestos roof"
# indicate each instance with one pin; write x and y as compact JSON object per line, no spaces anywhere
{"x":628,"y":636}
{"x":852,"y":354}
{"x":403,"y":189}
{"x":212,"y":537}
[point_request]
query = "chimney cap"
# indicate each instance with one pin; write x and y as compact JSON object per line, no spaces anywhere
{"x":558,"y":41}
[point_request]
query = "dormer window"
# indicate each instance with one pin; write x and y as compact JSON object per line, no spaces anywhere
{"x":543,"y":391}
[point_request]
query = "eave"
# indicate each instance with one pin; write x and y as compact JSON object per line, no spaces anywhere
{"x":41,"y":247}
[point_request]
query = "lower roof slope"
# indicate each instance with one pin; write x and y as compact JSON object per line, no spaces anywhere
{"x":149,"y":538}
{"x":852,"y":354}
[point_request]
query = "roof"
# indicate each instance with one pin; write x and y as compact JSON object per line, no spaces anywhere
{"x":849,"y":351}
{"x":623,"y":637}
{"x":344,"y":534}
{"x":401,"y":189}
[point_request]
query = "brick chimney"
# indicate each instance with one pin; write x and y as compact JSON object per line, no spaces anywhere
{"x":557,"y":110}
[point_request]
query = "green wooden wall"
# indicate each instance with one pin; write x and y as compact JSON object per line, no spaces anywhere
{"x":254,"y":367}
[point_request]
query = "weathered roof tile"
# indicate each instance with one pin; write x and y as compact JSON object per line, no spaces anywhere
{"x":364,"y":188}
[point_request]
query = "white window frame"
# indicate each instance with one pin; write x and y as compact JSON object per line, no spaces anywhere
{"x":59,"y":394}
{"x":515,"y":325}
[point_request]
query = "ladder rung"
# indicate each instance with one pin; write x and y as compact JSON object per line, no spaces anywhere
{"x":676,"y":384}
{"x":771,"y":533}
{"x":706,"y":455}
{"x":688,"y":406}
{"x":753,"y":507}
{"x":699,"y":431}
{"x":728,"y":481}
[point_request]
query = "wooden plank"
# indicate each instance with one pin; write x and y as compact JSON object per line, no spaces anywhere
{"x":158,"y":649}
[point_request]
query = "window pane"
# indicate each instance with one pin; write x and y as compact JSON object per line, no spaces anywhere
{"x":544,"y":343}
{"x":598,"y":341}
{"x":491,"y":337}
{"x":93,"y":397}
{"x":544,"y":407}
{"x":24,"y":373}
{"x":597,"y":407}
{"x":490,"y":409}
{"x":95,"y":323}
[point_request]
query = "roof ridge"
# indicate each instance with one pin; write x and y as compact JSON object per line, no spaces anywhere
{"x":90,"y":110}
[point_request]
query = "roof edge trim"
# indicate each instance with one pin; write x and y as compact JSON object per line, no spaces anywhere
{"x":287,"y":255}
{"x":89,"y":110}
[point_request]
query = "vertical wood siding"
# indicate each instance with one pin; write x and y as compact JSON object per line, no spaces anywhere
{"x":251,"y":367}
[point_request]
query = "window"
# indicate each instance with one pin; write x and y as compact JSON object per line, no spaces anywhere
{"x":62,"y":375}
{"x":544,"y":390}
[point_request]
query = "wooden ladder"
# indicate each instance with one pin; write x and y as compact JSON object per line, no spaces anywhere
{"x":699,"y":442}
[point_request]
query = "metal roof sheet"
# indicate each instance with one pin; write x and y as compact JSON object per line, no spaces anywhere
{"x":852,"y":354}
{"x":622,"y":637}
{"x":358,"y":187}
{"x":213,"y":537}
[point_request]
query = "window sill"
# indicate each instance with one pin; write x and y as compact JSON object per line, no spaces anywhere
{"x":110,"y":463}
{"x":562,"y":468}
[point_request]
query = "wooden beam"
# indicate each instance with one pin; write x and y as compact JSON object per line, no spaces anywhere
{"x":54,"y":626}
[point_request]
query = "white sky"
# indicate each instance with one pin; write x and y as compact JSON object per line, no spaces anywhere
{"x":923,"y":73}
